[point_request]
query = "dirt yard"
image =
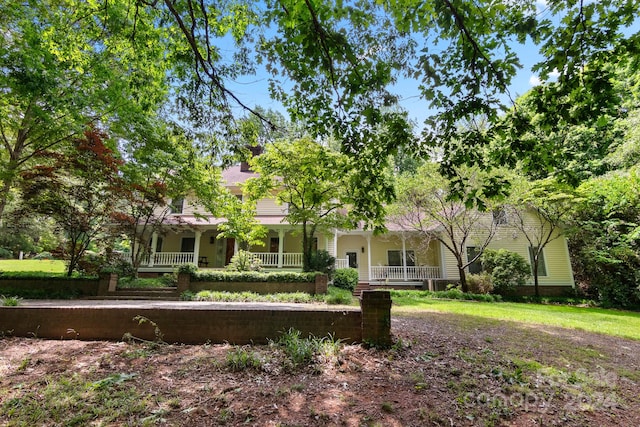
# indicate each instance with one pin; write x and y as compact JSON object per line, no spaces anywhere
{"x":443,"y":370}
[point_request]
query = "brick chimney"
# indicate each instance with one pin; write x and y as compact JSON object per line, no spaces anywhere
{"x":255,"y":151}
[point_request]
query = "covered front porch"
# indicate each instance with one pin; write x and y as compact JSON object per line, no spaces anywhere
{"x":386,"y":259}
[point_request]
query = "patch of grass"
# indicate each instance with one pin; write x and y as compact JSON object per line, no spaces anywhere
{"x":75,"y":400}
{"x":338,"y":296}
{"x":32,"y":265}
{"x":619,"y":323}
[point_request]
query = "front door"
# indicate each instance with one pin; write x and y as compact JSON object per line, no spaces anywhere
{"x":231,"y":245}
{"x":352,"y":259}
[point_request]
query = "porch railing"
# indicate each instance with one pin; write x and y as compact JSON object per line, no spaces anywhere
{"x":270,"y":259}
{"x":173,"y":258}
{"x":163,"y":258}
{"x":398,"y":273}
{"x":342,"y":263}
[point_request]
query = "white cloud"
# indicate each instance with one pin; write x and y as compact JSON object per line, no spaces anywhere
{"x":534,"y":80}
{"x":554,"y":74}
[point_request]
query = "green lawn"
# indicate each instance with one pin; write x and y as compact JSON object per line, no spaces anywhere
{"x":48,"y":266}
{"x":611,"y":322}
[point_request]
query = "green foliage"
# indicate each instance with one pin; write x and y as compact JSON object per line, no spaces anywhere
{"x":604,"y":239}
{"x":412,"y":297}
{"x":224,"y":296}
{"x":253,"y":276}
{"x":339,"y":296}
{"x":507,"y":269}
{"x":244,"y":261}
{"x":311,"y":180}
{"x":56,"y":293}
{"x":43,"y":255}
{"x":322,"y":262}
{"x":333,"y":296}
{"x":5,"y":253}
{"x":480,"y":283}
{"x":242,"y":358}
{"x":137,"y":282}
{"x":11,"y":301}
{"x":190,"y":269}
{"x":41,"y":275}
{"x":298,"y":350}
{"x":346,"y":278}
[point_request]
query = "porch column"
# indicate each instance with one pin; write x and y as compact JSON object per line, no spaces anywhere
{"x":280,"y":247}
{"x":404,"y":257}
{"x":335,"y":243}
{"x":152,"y":253}
{"x":368,"y":257}
{"x":196,"y":248}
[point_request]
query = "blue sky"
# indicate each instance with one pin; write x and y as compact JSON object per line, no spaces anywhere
{"x":253,"y":90}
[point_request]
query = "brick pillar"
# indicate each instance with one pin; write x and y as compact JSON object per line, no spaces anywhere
{"x":376,"y":317}
{"x":184,"y":282}
{"x":107,"y":283}
{"x":322,"y":281}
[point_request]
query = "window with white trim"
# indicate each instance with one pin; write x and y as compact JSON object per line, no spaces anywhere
{"x":394,"y":258}
{"x":476,"y":266}
{"x":542,"y":265}
{"x":177,"y":205}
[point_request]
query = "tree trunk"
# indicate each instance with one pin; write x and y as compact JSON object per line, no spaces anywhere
{"x":463,"y":279}
{"x":306,"y":248}
{"x":535,"y":276}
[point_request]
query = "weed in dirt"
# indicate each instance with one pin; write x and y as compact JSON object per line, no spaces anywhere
{"x":10,"y":301}
{"x":158,"y":335}
{"x":301,"y":351}
{"x":419,"y":380}
{"x":24,"y":364}
{"x":242,"y":358}
{"x":387,"y":407}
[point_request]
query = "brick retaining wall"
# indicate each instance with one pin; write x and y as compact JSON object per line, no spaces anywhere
{"x":194,"y":323}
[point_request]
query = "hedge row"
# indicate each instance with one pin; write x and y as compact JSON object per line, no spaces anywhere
{"x":35,"y":275}
{"x":253,"y":276}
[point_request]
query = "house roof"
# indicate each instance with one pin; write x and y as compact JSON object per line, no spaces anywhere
{"x":233,"y":176}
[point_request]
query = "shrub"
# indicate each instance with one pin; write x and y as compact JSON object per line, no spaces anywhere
{"x":191,"y":269}
{"x":323,"y":262}
{"x":5,"y":253}
{"x":253,"y":276}
{"x":479,"y":283}
{"x":91,"y":264}
{"x":43,"y":255}
{"x":507,"y":269}
{"x":338,"y":296}
{"x":244,"y":261}
{"x":346,"y":278}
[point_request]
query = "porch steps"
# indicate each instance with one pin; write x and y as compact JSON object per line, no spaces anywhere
{"x":361,"y":286}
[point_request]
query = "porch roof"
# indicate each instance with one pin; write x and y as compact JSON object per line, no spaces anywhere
{"x":193,"y":220}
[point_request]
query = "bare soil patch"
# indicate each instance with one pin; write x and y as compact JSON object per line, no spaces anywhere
{"x":444,"y":370}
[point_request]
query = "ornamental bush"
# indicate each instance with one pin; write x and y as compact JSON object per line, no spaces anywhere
{"x":244,"y":261}
{"x":507,"y":269}
{"x":346,"y":278}
{"x":5,"y":253}
{"x":323,"y":262}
